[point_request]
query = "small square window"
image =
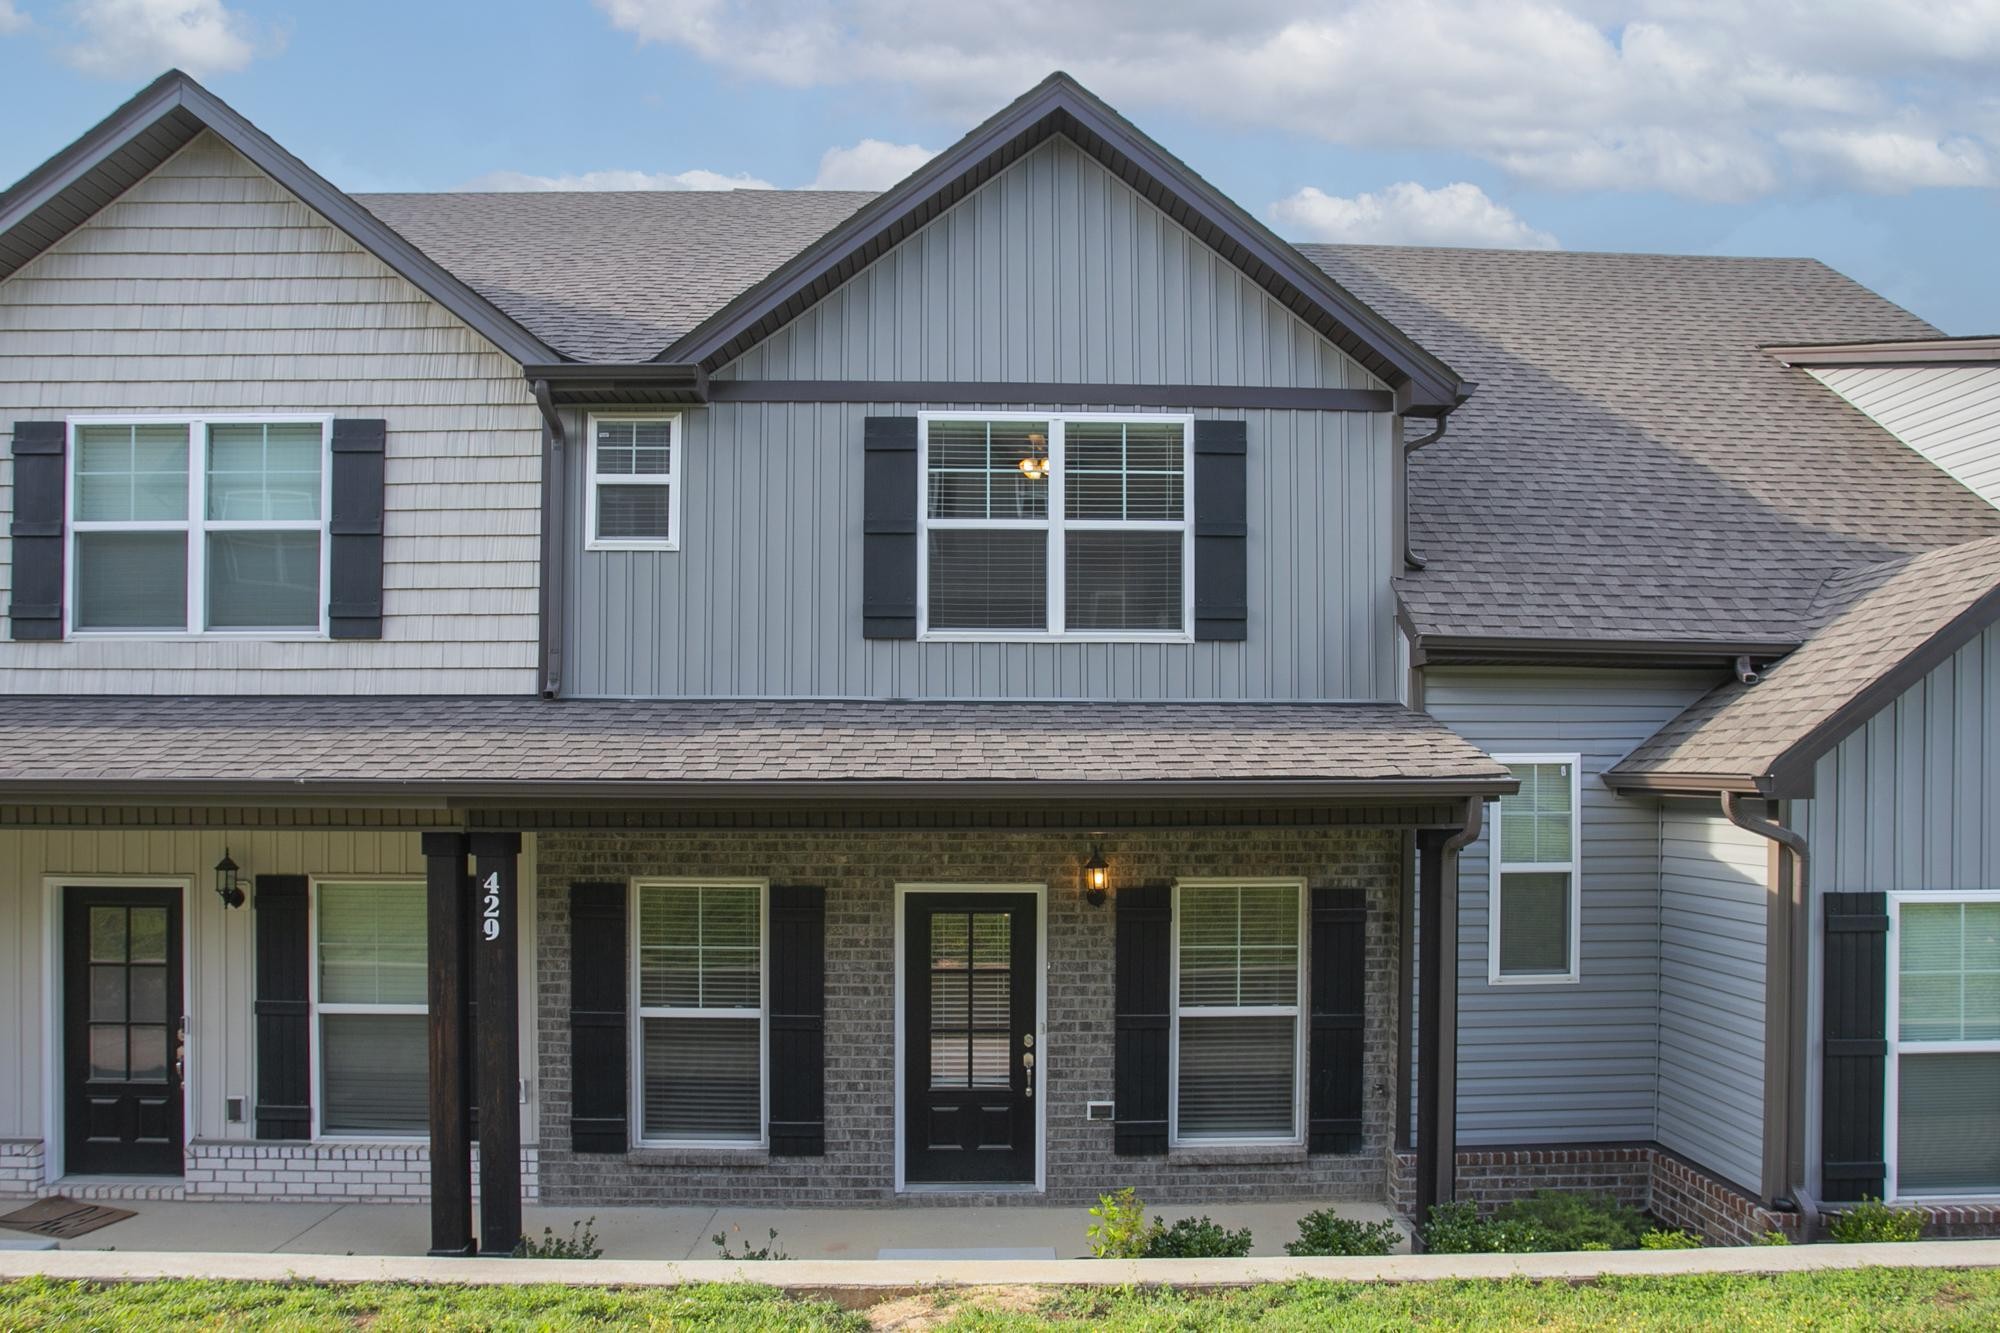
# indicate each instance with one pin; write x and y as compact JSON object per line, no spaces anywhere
{"x":633,"y":495}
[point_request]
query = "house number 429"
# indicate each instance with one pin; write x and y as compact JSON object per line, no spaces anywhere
{"x":489,"y":915}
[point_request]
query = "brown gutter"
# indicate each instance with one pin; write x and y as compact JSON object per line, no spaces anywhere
{"x":1526,"y":650}
{"x":1786,"y":1004}
{"x":1411,"y":560}
{"x":555,"y":547}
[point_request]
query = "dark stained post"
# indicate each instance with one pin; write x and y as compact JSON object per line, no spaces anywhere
{"x":450,"y":984}
{"x":1437,"y":1036}
{"x":497,"y":957}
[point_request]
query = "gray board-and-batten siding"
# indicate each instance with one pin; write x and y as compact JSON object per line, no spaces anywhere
{"x":1054,"y":272}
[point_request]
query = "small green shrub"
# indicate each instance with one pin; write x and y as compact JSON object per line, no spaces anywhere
{"x":1572,"y":1221}
{"x":1670,"y":1240}
{"x":1197,"y":1238}
{"x":1121,"y":1230}
{"x":1773,"y":1238}
{"x":771,"y":1249}
{"x":581,"y":1243}
{"x":1456,"y":1228}
{"x":1326,"y":1233}
{"x":1590,"y":1246}
{"x":1873,"y":1220}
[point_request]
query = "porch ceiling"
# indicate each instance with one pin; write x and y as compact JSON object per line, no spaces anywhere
{"x":526,"y":750}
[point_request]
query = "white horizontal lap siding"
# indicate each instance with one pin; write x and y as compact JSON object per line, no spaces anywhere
{"x":1566,"y":1062}
{"x":221,"y":974}
{"x":1949,"y":414}
{"x":208,"y":288}
{"x":1712,"y":962}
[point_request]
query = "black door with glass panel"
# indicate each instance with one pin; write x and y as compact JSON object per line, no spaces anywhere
{"x":970,"y":1058}
{"x":122,"y":1031}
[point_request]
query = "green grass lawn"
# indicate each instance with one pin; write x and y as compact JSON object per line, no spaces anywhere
{"x":1881,"y":1298}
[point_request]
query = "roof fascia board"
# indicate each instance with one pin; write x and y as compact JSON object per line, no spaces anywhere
{"x":1790,"y":776}
{"x":1059,"y":104}
{"x":176,"y":91}
{"x":1503,"y":650}
{"x":1972,"y":351}
{"x":1680,"y":784}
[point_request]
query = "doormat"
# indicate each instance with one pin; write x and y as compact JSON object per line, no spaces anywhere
{"x":63,"y":1218}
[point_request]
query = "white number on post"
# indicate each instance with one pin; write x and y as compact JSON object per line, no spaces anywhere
{"x":489,"y":925}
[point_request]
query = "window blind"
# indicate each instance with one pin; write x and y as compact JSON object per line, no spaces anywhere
{"x":701,"y":977}
{"x":1238,"y":1011}
{"x":374,"y":1073}
{"x":373,"y":944}
{"x":703,"y":1078}
{"x":634,"y":470}
{"x":1237,"y":1077}
{"x":1124,"y":580}
{"x":988,"y":579}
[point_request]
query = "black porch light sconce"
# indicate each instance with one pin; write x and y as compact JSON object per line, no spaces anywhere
{"x":228,"y":886}
{"x":1096,"y":877}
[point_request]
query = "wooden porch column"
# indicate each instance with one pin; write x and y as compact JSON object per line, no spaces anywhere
{"x":497,"y":1064}
{"x":1437,"y":1021}
{"x":449,"y":906}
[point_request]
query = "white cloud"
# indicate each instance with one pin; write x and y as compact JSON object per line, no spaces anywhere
{"x":1408,"y":214}
{"x":1710,"y":98}
{"x":123,"y":38}
{"x":11,"y":19}
{"x":872,"y":164}
{"x":617,"y":180}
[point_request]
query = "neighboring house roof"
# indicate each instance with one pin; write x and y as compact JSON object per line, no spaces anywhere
{"x":1876,"y":632}
{"x":164,"y":117}
{"x":1634,"y":466}
{"x":1977,"y":350}
{"x":614,"y":276}
{"x":824,"y":749}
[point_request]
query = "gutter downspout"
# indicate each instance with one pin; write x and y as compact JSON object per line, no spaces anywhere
{"x":1411,"y":560}
{"x":1786,"y":1004}
{"x":1437,"y":1016}
{"x":555,"y":541}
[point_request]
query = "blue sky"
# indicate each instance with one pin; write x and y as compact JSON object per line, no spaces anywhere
{"x":1865,"y":134}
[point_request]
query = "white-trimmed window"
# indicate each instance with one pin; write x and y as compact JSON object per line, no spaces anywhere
{"x":1534,"y":913}
{"x":698,"y":1040}
{"x":1944,"y":1045}
{"x":1238,"y":993}
{"x":1050,"y":526}
{"x":197,"y":525}
{"x":370,"y":1001}
{"x":633,"y":499}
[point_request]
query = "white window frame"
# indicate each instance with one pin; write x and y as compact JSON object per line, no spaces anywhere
{"x":671,"y":479}
{"x":1572,"y":867}
{"x":636,"y":1037}
{"x":1297,"y":1011}
{"x":315,"y":1075}
{"x":1056,"y":526}
{"x":1893,"y":1066}
{"x":197,"y":525}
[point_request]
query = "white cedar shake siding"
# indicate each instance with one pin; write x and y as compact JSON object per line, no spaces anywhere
{"x":1574,"y":1062}
{"x":220,"y":980}
{"x":1713,"y":878}
{"x":1054,"y":271}
{"x":1949,"y":414}
{"x":207,"y":287}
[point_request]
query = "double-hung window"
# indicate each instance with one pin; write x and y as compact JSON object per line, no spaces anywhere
{"x":633,"y":499}
{"x":371,"y":997}
{"x":1944,"y":1045}
{"x":1055,"y":527}
{"x":1534,"y":910}
{"x":197,"y":526}
{"x":699,"y":1039}
{"x":1237,"y":994}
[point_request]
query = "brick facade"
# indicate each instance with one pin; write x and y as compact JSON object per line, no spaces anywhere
{"x":860,"y":871}
{"x":21,"y":1167}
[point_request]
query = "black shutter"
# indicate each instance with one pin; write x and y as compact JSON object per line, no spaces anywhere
{"x":889,"y":528}
{"x":1339,"y":963}
{"x":1221,"y":531}
{"x":1855,"y":1025}
{"x":354,"y":601}
{"x":597,"y":1031}
{"x":796,"y":1061}
{"x":283,"y":1009}
{"x":37,"y":609}
{"x":1144,"y":968}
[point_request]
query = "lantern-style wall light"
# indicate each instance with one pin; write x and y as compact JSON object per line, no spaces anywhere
{"x":228,"y":885}
{"x":1096,"y":877}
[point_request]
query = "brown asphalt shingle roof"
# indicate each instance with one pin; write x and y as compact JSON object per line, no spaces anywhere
{"x":613,"y":275}
{"x":1867,"y":623}
{"x":1632,"y":466}
{"x":500,"y":742}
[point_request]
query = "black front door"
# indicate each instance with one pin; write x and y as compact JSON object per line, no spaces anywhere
{"x":969,"y":1059}
{"x":122,"y":1031}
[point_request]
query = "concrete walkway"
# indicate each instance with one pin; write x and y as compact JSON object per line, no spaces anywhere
{"x":858,"y":1283}
{"x":1014,"y":1232}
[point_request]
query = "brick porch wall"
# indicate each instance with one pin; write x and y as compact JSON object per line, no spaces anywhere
{"x":21,"y":1168}
{"x":859,"y":871}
